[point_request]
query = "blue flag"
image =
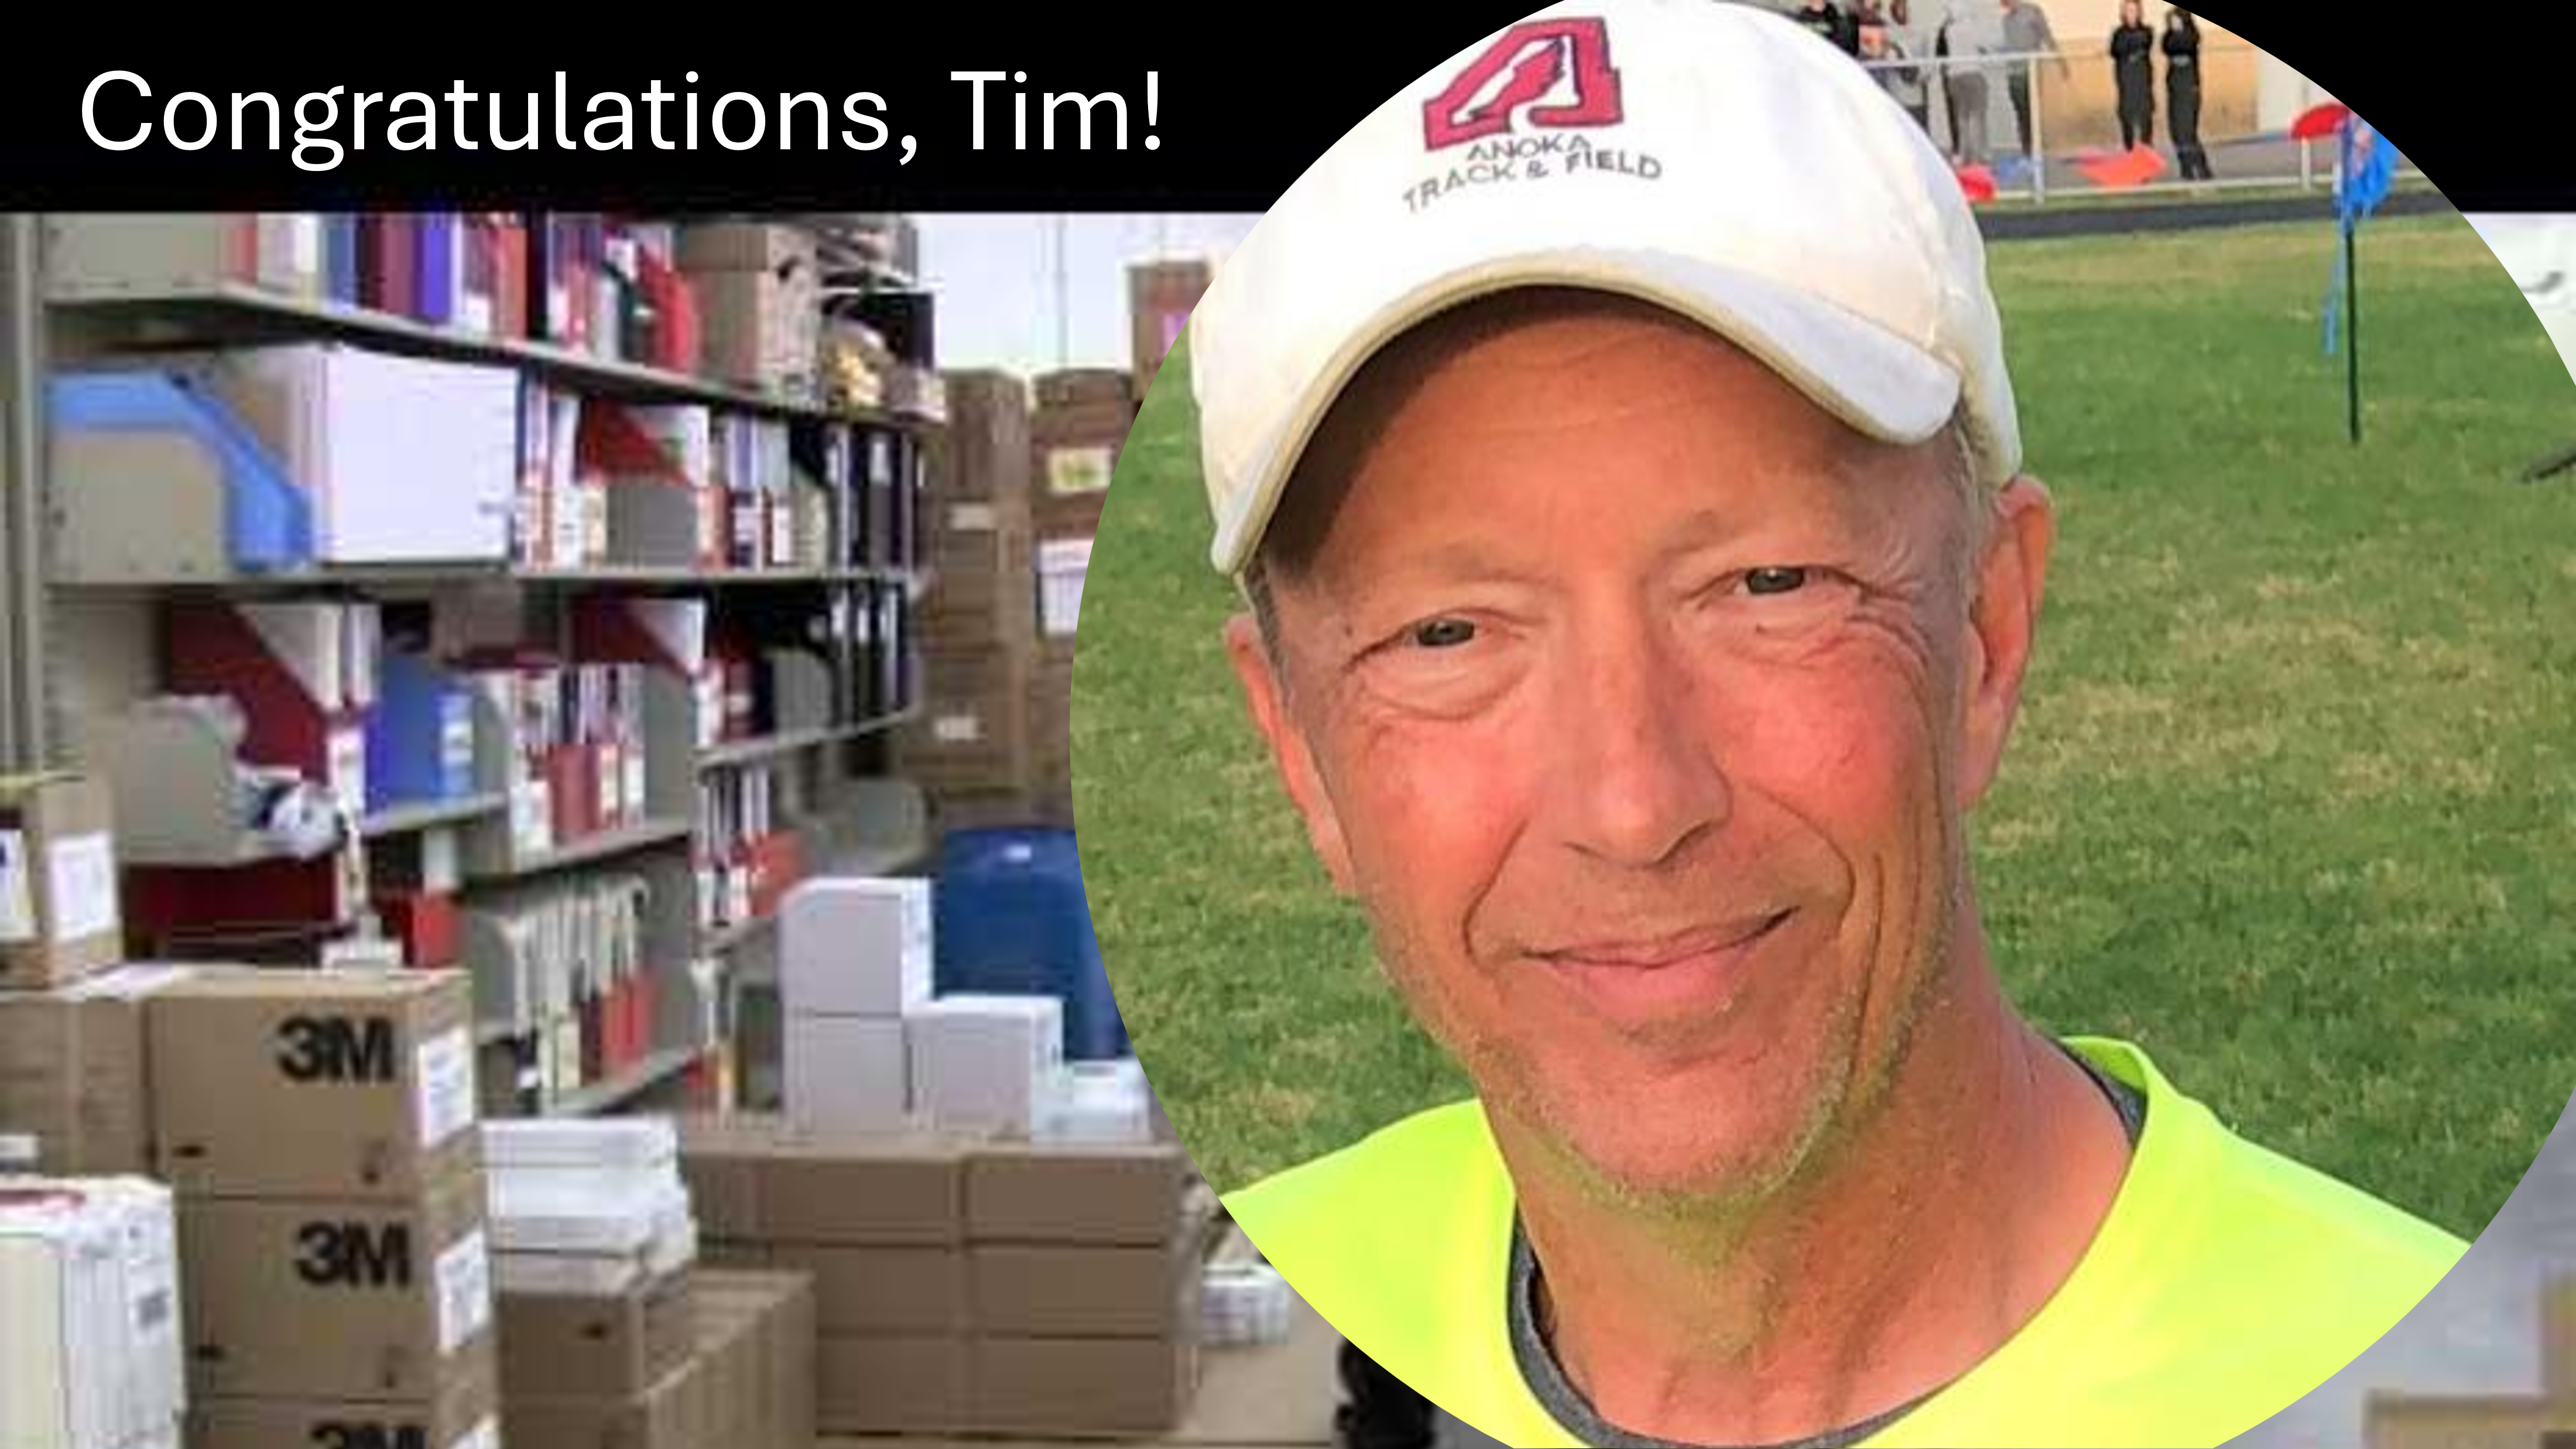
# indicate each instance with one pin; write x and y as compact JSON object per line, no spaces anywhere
{"x":2369,"y":167}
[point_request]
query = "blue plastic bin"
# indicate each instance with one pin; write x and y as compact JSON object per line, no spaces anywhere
{"x":1010,"y":919}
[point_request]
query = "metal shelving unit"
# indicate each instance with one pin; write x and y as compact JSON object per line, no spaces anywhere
{"x":86,"y":561}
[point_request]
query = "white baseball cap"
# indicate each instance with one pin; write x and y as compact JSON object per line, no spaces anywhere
{"x":1714,"y":158}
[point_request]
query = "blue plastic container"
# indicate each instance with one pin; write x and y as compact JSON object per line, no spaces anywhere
{"x":1010,"y":919}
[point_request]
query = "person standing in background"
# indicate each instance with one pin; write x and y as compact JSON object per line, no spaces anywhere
{"x":2027,"y":33}
{"x":1963,"y":81}
{"x":2182,"y":93}
{"x":2133,"y":69}
{"x":1886,"y":50}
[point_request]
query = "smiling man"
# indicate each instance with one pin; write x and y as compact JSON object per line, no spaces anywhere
{"x":1613,"y":440}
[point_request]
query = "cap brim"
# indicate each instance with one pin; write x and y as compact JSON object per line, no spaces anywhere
{"x":1880,"y":384}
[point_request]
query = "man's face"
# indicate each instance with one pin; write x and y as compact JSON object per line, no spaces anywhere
{"x":1624,"y":689}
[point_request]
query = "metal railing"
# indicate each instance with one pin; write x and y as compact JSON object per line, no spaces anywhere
{"x":1975,"y":112}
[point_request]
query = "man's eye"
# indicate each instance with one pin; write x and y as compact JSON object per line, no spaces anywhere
{"x":1443,"y":633}
{"x":1775,"y":581}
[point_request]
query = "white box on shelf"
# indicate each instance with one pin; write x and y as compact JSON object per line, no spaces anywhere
{"x":985,"y":1063}
{"x":89,"y":1288}
{"x":847,"y":1073}
{"x":855,"y":946}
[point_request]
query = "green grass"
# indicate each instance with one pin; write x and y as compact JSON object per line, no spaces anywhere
{"x":2291,"y":802}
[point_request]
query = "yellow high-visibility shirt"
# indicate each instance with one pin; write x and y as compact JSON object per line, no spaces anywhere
{"x":2226,"y":1282}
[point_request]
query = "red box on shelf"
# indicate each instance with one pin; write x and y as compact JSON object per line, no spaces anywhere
{"x":427,"y":925}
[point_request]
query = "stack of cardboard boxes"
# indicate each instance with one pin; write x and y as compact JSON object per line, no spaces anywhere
{"x":969,"y":1285}
{"x":617,"y":1338}
{"x":854,"y":958}
{"x":970,"y":749}
{"x":1080,"y":425}
{"x":1084,"y":1266}
{"x":320,"y":1129}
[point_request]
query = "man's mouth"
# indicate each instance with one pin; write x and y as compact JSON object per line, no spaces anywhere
{"x":1637,"y":983}
{"x":1677,"y":948}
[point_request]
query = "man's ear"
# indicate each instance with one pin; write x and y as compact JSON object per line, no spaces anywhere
{"x":1264,"y":693}
{"x":2003,"y":627}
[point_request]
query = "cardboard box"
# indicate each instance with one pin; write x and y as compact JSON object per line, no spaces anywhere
{"x":673,"y":1414}
{"x":2468,"y":1421}
{"x":75,"y":1087}
{"x":60,"y":915}
{"x":607,"y":1348}
{"x":324,"y":1084}
{"x":1077,"y":1194}
{"x":983,"y":453}
{"x":980,"y":1063}
{"x":973,"y":734}
{"x":336,"y":1299}
{"x":784,"y":1304}
{"x":1078,"y":387}
{"x":467,"y":1415}
{"x":853,"y":946}
{"x":1033,"y":1291}
{"x":90,"y":1307}
{"x":884,"y":1292}
{"x":721,"y":1164}
{"x":892,"y":1191}
{"x":892,"y":1385}
{"x":732,"y":1344}
{"x":848,"y":1074}
{"x":1105,"y":1386}
{"x":761,"y":330}
{"x":743,"y":246}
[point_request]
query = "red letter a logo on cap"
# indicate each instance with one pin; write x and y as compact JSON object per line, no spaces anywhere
{"x":1528,"y":62}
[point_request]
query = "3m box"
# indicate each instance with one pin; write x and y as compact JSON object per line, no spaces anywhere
{"x":562,"y":1346}
{"x":324,"y":1084}
{"x":337,"y":1300}
{"x":60,"y":918}
{"x":466,"y":1414}
{"x":1078,"y":1194}
{"x":75,"y":1084}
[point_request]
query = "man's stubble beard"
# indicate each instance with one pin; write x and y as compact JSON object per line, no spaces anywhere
{"x":1855,"y":1074}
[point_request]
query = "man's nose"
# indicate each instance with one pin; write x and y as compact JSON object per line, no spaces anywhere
{"x":1641,"y":779}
